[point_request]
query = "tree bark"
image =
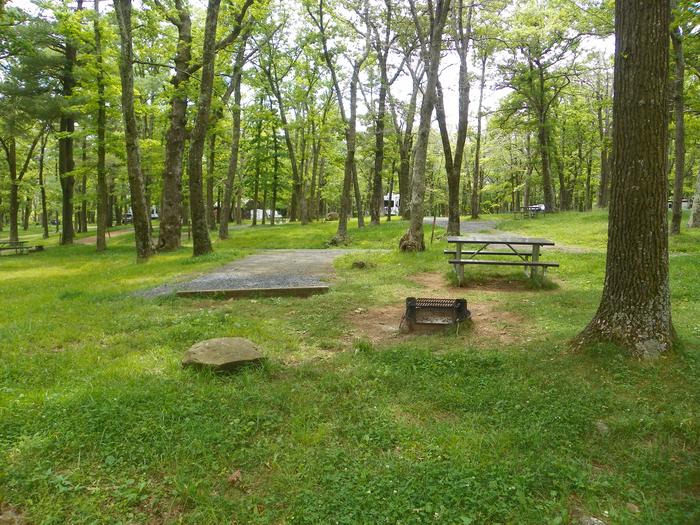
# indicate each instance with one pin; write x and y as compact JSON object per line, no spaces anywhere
{"x":42,"y":188}
{"x":16,"y":176}
{"x":476,"y":186}
{"x":679,"y":140}
{"x":171,"y":213}
{"x":139,"y":207}
{"x":694,"y":221}
{"x":635,"y":309}
{"x":200,"y":232}
{"x":350,"y":122}
{"x":102,"y":189}
{"x":66,"y":163}
{"x":413,"y":239}
{"x":225,"y":213}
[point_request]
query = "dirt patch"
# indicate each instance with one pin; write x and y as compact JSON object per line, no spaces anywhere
{"x":437,"y":282}
{"x":490,"y":322}
{"x":93,"y":238}
{"x":10,"y":516}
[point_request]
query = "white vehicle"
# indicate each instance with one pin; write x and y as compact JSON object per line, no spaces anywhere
{"x":268,"y":213}
{"x":391,"y":201}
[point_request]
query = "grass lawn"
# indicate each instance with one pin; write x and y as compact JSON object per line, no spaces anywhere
{"x":495,"y":423}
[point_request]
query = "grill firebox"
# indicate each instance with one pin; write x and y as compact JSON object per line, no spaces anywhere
{"x":420,"y":310}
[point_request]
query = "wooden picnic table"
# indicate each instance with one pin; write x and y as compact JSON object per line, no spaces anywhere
{"x":18,"y":247}
{"x":526,"y":249}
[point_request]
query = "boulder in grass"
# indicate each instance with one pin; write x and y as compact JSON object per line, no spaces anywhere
{"x":224,"y":354}
{"x":332,"y":216}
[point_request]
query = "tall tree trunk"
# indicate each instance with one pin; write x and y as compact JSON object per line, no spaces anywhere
{"x":406,"y":152}
{"x":256,"y":180}
{"x":225,"y":214}
{"x":476,"y":186}
{"x":200,"y":232}
{"x":11,"y":154}
{"x":350,"y":122}
{"x":378,"y":192}
{"x":604,"y":187}
{"x":42,"y":188}
{"x":678,"y":111}
{"x":171,"y":213}
{"x":413,"y":239}
{"x":453,"y":165}
{"x":635,"y":309}
{"x":66,"y":163}
{"x":102,"y":189}
{"x":694,"y":221}
{"x":139,"y":207}
{"x":211,"y":218}
{"x":16,"y":176}
{"x":275,"y":176}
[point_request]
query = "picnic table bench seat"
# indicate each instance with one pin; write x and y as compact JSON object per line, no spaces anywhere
{"x":538,"y":264}
{"x":523,"y":252}
{"x":19,"y":247}
{"x":490,"y":252}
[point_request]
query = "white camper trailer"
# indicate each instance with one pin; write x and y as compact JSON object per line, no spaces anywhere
{"x":391,"y":201}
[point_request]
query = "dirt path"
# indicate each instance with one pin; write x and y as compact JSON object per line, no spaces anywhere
{"x":266,"y":269}
{"x":93,"y":238}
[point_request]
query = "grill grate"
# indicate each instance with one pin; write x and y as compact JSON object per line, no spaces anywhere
{"x":428,"y":310}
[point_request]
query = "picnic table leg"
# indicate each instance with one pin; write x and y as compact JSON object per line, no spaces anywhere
{"x":535,"y":258}
{"x":460,"y":267}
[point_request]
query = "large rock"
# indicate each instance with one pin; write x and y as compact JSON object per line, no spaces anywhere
{"x":223,"y":354}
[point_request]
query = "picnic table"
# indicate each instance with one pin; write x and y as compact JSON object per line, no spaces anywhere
{"x":19,"y":247}
{"x":469,"y":250}
{"x":529,"y":211}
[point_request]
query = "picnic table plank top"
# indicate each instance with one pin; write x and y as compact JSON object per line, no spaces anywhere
{"x":497,"y":239}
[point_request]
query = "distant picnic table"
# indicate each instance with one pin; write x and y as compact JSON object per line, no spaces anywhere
{"x":469,"y":250}
{"x":529,"y":211}
{"x":19,"y":247}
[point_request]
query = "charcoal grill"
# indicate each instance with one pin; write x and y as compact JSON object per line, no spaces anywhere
{"x":421,"y":310}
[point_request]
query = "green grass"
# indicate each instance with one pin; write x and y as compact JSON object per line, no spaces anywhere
{"x":100,"y":424}
{"x":589,"y":229}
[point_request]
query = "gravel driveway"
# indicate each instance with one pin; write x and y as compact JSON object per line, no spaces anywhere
{"x":266,"y":269}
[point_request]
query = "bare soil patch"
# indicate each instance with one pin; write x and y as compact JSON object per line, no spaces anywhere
{"x":490,"y":321}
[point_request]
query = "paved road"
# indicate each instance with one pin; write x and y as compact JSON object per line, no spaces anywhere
{"x":266,"y":269}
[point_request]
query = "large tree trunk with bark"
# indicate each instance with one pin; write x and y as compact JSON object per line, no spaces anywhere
{"x":413,"y":239}
{"x":200,"y":232}
{"x":635,"y":309}
{"x":171,"y":211}
{"x":139,"y":206}
{"x":679,"y":142}
{"x":66,"y":162}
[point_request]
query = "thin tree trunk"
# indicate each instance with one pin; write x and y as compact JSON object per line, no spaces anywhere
{"x":476,"y":186}
{"x":225,"y":214}
{"x":694,"y":221}
{"x":635,"y":309}
{"x":102,"y":190}
{"x":413,"y":239}
{"x":200,"y":232}
{"x":350,"y":122}
{"x":211,"y":218}
{"x":275,"y":175}
{"x":139,"y":207}
{"x":42,"y":188}
{"x":678,"y":111}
